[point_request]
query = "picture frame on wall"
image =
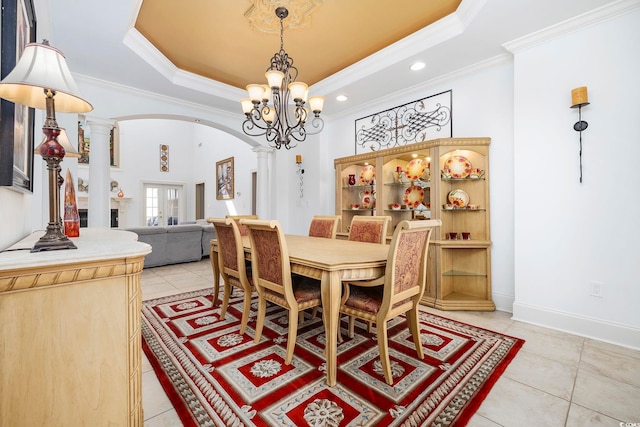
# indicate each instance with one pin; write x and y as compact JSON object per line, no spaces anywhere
{"x":224,"y":179}
{"x":18,"y":28}
{"x":84,"y":143}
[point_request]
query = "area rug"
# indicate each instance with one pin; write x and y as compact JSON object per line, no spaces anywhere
{"x":216,"y":377}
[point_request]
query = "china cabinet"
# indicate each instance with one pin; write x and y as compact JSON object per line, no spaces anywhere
{"x":446,"y":179}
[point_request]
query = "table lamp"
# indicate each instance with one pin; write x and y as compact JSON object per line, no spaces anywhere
{"x":41,"y":75}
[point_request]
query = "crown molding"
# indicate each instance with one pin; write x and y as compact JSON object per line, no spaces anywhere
{"x":135,"y":41}
{"x":154,"y":96}
{"x":570,"y":25}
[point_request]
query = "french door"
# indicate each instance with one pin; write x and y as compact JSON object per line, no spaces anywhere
{"x":163,"y":204}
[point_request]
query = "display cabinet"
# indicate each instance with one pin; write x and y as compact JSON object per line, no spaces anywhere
{"x":446,"y":179}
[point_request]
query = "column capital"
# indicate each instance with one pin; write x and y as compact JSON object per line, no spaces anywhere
{"x":97,"y":124}
{"x":261,"y":150}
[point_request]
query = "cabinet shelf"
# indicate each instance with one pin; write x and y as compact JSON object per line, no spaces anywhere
{"x":408,"y":210}
{"x":463,"y":179}
{"x":451,"y":273}
{"x":419,"y":183}
{"x":459,"y":296}
{"x":358,"y":187}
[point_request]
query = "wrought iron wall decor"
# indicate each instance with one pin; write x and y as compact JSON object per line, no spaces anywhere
{"x":416,"y":121}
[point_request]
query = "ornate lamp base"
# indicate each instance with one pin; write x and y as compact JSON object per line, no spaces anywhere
{"x":53,"y":240}
{"x":53,"y":153}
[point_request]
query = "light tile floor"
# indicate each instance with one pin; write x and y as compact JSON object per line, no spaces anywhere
{"x":557,"y":379}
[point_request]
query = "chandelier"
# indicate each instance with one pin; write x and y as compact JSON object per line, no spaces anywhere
{"x":269,"y":110}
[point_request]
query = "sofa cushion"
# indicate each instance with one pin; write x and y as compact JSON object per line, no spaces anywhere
{"x":208,"y":233}
{"x":157,"y":238}
{"x":175,"y":243}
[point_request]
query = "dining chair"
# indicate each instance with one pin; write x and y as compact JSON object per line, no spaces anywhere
{"x":371,"y":229}
{"x":237,"y":218}
{"x":272,"y":278}
{"x":324,"y":226}
{"x":397,"y":292}
{"x":233,"y":267}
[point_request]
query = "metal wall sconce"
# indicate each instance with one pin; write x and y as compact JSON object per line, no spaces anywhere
{"x":300,"y":172}
{"x":579,"y":99}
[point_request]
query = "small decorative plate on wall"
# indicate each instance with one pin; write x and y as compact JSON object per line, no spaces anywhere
{"x":414,"y":170}
{"x":413,"y":196}
{"x":367,"y":174}
{"x":459,"y":198}
{"x":458,"y":167}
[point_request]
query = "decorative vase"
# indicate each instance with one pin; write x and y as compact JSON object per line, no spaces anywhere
{"x":71,"y":216}
{"x":352,"y":179}
{"x":120,"y":193}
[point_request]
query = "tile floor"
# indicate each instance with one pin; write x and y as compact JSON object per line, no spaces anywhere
{"x":557,"y":379}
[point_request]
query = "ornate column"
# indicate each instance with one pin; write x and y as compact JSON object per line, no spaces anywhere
{"x":263,"y":209}
{"x":99,"y":214}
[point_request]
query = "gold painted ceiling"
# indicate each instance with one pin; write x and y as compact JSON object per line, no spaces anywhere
{"x":214,"y":38}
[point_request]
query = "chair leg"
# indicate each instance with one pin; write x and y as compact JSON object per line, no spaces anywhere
{"x":352,"y":324}
{"x":225,"y":300}
{"x":370,"y":326}
{"x":262,"y":308}
{"x":245,"y":312}
{"x":414,"y":327}
{"x":383,"y":348}
{"x":293,"y":332}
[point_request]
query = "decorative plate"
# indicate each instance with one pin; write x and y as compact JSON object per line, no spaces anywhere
{"x":457,"y":166}
{"x":414,"y":170}
{"x":367,"y":174}
{"x":413,"y":196}
{"x":459,"y":198}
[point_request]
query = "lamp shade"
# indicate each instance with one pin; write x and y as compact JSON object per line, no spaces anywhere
{"x":43,"y":67}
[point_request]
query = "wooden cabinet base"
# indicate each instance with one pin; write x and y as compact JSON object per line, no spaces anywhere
{"x":70,"y":350}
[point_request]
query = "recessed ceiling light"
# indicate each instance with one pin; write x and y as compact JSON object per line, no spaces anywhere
{"x":341,"y":98}
{"x":418,"y":66}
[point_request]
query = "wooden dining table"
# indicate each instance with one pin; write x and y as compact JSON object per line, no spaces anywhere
{"x":331,"y":261}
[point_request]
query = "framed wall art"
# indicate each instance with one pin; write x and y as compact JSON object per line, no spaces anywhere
{"x":416,"y":121}
{"x":16,"y":121}
{"x":84,"y":143}
{"x":224,"y":179}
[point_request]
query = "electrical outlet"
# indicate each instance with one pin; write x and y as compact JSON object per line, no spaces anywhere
{"x":595,"y":289}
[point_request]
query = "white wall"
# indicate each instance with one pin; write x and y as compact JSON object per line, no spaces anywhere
{"x":569,"y":234}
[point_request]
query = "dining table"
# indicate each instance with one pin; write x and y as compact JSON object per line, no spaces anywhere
{"x":331,"y":261}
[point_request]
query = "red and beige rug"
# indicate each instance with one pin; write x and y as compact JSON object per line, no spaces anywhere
{"x":216,"y":377}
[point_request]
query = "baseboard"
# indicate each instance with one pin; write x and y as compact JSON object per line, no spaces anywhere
{"x":598,"y":329}
{"x":503,"y":302}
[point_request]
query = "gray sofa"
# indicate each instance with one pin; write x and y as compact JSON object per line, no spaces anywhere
{"x":175,"y":244}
